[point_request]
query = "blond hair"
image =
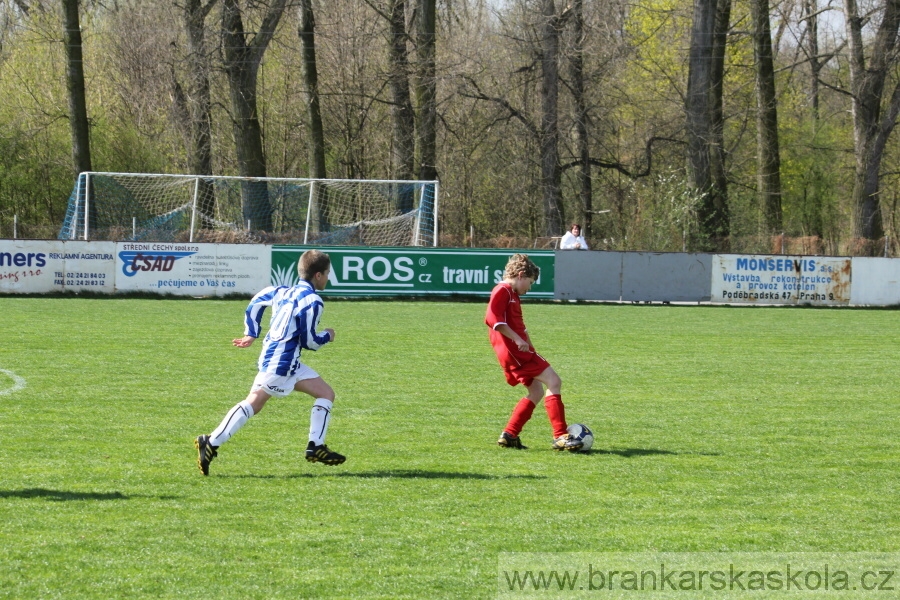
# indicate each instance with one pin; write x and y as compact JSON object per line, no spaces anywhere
{"x":312,"y":262}
{"x":520,"y":263}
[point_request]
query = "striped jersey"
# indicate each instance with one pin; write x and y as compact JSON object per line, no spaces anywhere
{"x":295,"y":316}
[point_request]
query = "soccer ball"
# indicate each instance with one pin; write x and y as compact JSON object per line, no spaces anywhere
{"x":581,"y":432}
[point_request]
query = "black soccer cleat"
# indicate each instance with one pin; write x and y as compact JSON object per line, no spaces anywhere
{"x":511,"y":441}
{"x":323,"y":455}
{"x":567,"y":442}
{"x":206,"y":452}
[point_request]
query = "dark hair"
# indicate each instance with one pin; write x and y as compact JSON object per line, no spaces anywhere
{"x":312,"y":262}
{"x":574,"y":225}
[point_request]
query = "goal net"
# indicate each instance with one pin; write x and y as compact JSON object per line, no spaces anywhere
{"x":191,"y":208}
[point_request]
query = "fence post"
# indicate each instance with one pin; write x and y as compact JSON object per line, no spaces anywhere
{"x":15,"y":226}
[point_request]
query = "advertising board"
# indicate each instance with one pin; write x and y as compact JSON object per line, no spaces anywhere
{"x":41,"y":266}
{"x":192,"y":269}
{"x":413,"y":271}
{"x":761,"y":279}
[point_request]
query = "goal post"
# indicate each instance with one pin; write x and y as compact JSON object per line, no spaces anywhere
{"x":194,"y":208}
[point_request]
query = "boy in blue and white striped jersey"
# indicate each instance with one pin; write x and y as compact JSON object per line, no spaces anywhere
{"x":295,"y":319}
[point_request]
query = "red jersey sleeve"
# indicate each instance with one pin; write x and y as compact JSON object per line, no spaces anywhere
{"x":504,"y":307}
{"x":498,"y":306}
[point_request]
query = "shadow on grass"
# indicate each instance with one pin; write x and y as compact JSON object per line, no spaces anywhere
{"x":633,"y":452}
{"x":394,"y":474}
{"x":417,"y":474}
{"x":64,"y":496}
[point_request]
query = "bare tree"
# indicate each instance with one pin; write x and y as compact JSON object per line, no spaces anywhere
{"x":356,"y":116}
{"x":403,"y":116}
{"x":78,"y":119}
{"x":591,"y":87}
{"x":582,"y":118}
{"x":554,"y":215}
{"x":403,"y":120}
{"x":242,"y":59}
{"x":768,"y":174}
{"x":194,"y":16}
{"x":316,"y":144}
{"x":699,"y":103}
{"x":426,"y":90}
{"x":195,"y":104}
{"x":717,"y":88}
{"x":811,"y":16}
{"x":871,"y":127}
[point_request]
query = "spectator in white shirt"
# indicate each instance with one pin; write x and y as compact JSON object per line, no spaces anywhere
{"x":573,"y":240}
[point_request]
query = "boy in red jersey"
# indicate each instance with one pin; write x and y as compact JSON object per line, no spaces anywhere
{"x":520,"y":362}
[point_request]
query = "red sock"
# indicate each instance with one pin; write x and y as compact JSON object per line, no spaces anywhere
{"x":520,"y":415}
{"x":556,"y":413}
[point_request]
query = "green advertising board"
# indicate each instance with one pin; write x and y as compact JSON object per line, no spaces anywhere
{"x":412,"y":271}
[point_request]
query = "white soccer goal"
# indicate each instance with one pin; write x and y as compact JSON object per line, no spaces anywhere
{"x":192,"y":208}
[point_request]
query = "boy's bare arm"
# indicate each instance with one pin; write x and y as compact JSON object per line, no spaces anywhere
{"x":244,"y":342}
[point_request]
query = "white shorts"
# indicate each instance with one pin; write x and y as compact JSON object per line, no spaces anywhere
{"x":281,"y":385}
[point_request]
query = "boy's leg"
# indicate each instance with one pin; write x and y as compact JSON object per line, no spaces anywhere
{"x":556,"y":411}
{"x":521,"y":415}
{"x":321,"y":409}
{"x":509,"y":438}
{"x":240,"y":413}
{"x":523,"y":410}
{"x":320,"y":416}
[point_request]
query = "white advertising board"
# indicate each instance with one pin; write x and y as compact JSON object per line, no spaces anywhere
{"x":762,"y":279}
{"x":876,"y":282}
{"x":187,"y":269}
{"x":41,"y":266}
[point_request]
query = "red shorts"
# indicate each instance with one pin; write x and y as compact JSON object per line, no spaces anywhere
{"x":526,"y":372}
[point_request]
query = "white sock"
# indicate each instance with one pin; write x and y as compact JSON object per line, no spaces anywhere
{"x":318,"y":420}
{"x":233,"y":421}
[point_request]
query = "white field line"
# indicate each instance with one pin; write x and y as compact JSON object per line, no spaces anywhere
{"x":18,"y":383}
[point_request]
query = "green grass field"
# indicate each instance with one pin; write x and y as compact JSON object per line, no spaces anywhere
{"x":718,"y":430}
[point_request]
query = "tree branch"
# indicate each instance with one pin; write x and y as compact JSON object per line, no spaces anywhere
{"x":266,"y":31}
{"x":889,"y":120}
{"x":620,"y":167}
{"x":513,"y":112}
{"x":827,"y":56}
{"x":379,"y":10}
{"x":204,"y":10}
{"x":835,"y":89}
